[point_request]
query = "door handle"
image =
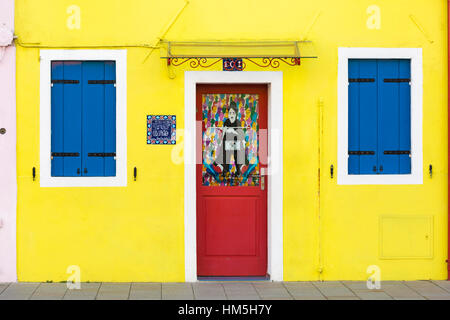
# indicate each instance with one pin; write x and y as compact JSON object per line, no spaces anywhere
{"x":263,"y":179}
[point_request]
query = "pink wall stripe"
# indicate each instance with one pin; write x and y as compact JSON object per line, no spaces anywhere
{"x":8,"y":180}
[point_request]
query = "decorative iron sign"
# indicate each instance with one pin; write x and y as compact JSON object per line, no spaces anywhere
{"x":161,"y":129}
{"x":233,"y":64}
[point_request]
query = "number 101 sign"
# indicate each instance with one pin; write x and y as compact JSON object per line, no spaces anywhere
{"x":232,"y":64}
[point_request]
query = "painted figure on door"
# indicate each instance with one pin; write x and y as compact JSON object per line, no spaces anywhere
{"x":230,"y":140}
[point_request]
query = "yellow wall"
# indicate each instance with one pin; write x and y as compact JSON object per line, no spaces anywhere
{"x":137,"y":233}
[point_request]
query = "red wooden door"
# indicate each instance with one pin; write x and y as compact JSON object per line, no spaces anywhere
{"x":231,"y":185}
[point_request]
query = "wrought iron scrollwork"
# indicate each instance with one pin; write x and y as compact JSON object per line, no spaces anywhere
{"x":203,"y":62}
{"x":275,"y":62}
{"x":193,"y":62}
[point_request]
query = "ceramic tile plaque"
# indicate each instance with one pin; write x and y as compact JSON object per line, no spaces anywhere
{"x":161,"y":129}
{"x":233,"y":64}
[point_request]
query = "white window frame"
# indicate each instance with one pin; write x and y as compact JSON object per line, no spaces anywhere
{"x":46,"y":58}
{"x":415,"y":55}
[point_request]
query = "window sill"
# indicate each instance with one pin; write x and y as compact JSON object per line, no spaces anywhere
{"x":83,"y":181}
{"x":380,"y":179}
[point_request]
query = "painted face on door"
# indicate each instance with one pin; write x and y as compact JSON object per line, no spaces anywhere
{"x":232,"y":115}
{"x":230,"y":140}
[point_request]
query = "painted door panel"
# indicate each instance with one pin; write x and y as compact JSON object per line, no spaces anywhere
{"x":231,"y":203}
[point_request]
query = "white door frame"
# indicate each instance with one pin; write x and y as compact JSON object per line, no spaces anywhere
{"x":274,"y":80}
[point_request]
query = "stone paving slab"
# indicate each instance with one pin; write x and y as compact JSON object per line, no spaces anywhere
{"x":177,"y":291}
{"x":400,"y":291}
{"x":429,"y":290}
{"x":3,"y":287}
{"x":304,"y":291}
{"x":209,"y":291}
{"x":334,"y":290}
{"x":344,"y":298}
{"x":240,"y":291}
{"x":87,"y":291}
{"x":146,"y":291}
{"x":444,"y":284}
{"x":19,"y":291}
{"x":377,"y":295}
{"x":230,"y":290}
{"x":272,"y":291}
{"x":114,"y":291}
{"x":50,"y":291}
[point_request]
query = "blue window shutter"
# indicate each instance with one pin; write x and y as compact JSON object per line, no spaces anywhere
{"x":363,"y":116}
{"x":405,"y":116}
{"x":388,"y":113}
{"x":99,"y":119}
{"x":66,"y":119}
{"x":57,"y":111}
{"x":353,"y":117}
{"x":93,"y":119}
{"x":110,"y":118}
{"x":394,"y":116}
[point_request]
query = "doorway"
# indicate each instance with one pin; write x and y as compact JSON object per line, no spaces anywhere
{"x":274,"y":82}
{"x":231,"y":180}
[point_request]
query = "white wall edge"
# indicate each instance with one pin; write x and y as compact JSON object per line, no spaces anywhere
{"x":275,"y":168}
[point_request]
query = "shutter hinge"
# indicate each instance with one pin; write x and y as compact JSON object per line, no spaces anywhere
{"x":101,"y":154}
{"x":361,"y":153}
{"x":361,"y":80}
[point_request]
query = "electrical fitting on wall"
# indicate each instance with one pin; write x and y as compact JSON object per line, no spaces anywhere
{"x":6,"y":39}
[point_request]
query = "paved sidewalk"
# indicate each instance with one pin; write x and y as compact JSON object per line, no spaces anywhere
{"x":229,"y":290}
